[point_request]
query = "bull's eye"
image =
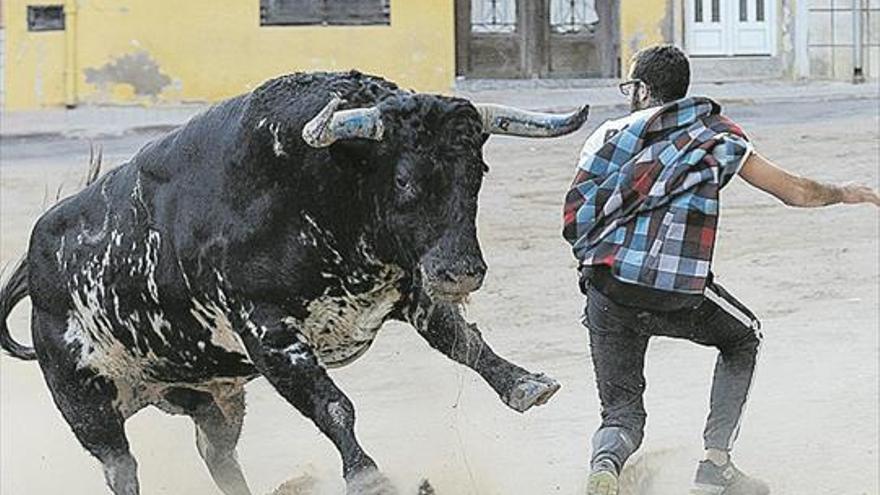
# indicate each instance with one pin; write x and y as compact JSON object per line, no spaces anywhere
{"x":406,"y":190}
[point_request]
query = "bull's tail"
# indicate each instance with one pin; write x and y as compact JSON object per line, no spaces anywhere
{"x":11,"y":293}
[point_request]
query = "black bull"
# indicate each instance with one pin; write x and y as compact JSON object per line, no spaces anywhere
{"x":270,"y":236}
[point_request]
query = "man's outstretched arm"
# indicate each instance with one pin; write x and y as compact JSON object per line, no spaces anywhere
{"x":795,"y":190}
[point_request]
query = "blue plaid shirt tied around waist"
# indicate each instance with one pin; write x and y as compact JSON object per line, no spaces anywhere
{"x":645,"y":204}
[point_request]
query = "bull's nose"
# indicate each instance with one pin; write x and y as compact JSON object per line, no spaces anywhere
{"x":469,"y":277}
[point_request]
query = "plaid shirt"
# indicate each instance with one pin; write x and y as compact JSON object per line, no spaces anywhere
{"x":646,"y":203}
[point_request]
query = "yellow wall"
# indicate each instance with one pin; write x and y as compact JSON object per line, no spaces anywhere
{"x":643,"y":23}
{"x":194,"y":50}
{"x":34,"y":69}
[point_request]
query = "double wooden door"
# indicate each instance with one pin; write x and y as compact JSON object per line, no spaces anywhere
{"x":537,"y":38}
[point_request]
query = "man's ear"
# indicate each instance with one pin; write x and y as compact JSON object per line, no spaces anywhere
{"x":644,"y":93}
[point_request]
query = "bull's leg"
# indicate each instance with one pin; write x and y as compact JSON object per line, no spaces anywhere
{"x":216,"y":437}
{"x":446,"y":330}
{"x":293,"y":369}
{"x":218,"y":423}
{"x":86,"y":400}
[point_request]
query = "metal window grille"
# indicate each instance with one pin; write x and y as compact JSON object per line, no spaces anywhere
{"x":493,"y":16}
{"x":572,"y":16}
{"x":324,"y":12}
{"x":45,"y":17}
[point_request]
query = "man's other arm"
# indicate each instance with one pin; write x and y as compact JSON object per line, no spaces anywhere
{"x":795,"y":190}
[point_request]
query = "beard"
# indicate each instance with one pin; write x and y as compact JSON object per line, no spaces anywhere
{"x":636,"y":103}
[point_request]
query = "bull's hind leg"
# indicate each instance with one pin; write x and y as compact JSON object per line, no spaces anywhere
{"x":86,"y":400}
{"x":218,"y":425}
{"x":293,"y":369}
{"x":446,"y":330}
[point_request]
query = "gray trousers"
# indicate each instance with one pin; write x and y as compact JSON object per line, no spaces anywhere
{"x":618,"y":339}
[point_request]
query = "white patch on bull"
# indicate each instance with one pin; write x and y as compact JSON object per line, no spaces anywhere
{"x":137,"y":197}
{"x":261,"y":123}
{"x":337,"y":413}
{"x":90,"y":329}
{"x":183,"y":275}
{"x":276,"y":143}
{"x":159,"y":325}
{"x":326,"y":236}
{"x":341,"y":328}
{"x":214,"y":320}
{"x":151,"y":261}
{"x":297,"y":353}
{"x":59,"y":254}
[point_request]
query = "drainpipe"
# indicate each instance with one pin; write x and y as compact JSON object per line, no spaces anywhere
{"x":858,"y":73}
{"x":70,"y":69}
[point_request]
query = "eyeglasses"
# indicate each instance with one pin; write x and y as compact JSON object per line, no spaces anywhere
{"x":628,"y":87}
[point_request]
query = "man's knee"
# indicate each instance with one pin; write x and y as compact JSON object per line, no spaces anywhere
{"x":746,"y":347}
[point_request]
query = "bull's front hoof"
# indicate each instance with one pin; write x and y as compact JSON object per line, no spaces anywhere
{"x":369,"y":482}
{"x":531,"y":390}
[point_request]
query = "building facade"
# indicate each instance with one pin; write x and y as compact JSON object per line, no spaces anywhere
{"x":144,"y":52}
{"x":170,"y":51}
{"x":760,"y":39}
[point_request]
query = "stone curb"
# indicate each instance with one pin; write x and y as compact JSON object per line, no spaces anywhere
{"x":139,"y":128}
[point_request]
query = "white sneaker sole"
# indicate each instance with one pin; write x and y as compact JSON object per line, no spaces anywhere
{"x":602,"y":483}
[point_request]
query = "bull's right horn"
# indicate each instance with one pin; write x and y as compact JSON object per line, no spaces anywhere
{"x":501,"y":119}
{"x":331,"y":125}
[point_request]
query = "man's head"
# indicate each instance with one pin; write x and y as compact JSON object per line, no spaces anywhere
{"x":662,"y":73}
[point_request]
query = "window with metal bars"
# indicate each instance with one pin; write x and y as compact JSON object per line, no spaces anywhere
{"x":45,"y":17}
{"x":324,"y":12}
{"x":493,"y":16}
{"x":572,"y":16}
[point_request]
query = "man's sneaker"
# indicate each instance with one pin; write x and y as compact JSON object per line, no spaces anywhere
{"x":603,"y":478}
{"x":725,"y":480}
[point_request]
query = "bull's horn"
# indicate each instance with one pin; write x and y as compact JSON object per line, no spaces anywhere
{"x":500,"y":119}
{"x":330,"y":125}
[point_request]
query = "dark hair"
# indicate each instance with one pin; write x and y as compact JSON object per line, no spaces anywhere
{"x":665,"y":70}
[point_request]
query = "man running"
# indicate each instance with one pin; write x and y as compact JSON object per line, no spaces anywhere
{"x":641,"y":216}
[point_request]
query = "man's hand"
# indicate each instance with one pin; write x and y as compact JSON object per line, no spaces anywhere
{"x":857,"y":193}
{"x":795,"y":190}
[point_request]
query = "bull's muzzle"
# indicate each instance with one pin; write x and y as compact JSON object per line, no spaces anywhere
{"x":454,"y":280}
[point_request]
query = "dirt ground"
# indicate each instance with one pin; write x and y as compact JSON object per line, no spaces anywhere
{"x":812,"y":275}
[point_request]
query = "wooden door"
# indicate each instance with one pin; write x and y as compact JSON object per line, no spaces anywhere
{"x":490,"y":38}
{"x":537,"y":38}
{"x":580,"y":38}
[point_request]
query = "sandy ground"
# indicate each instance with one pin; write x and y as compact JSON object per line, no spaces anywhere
{"x":812,"y":424}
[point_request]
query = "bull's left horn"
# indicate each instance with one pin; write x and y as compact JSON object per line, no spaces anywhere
{"x":330,"y":125}
{"x":500,"y":119}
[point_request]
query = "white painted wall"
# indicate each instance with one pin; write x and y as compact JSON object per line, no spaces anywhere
{"x":830,"y":38}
